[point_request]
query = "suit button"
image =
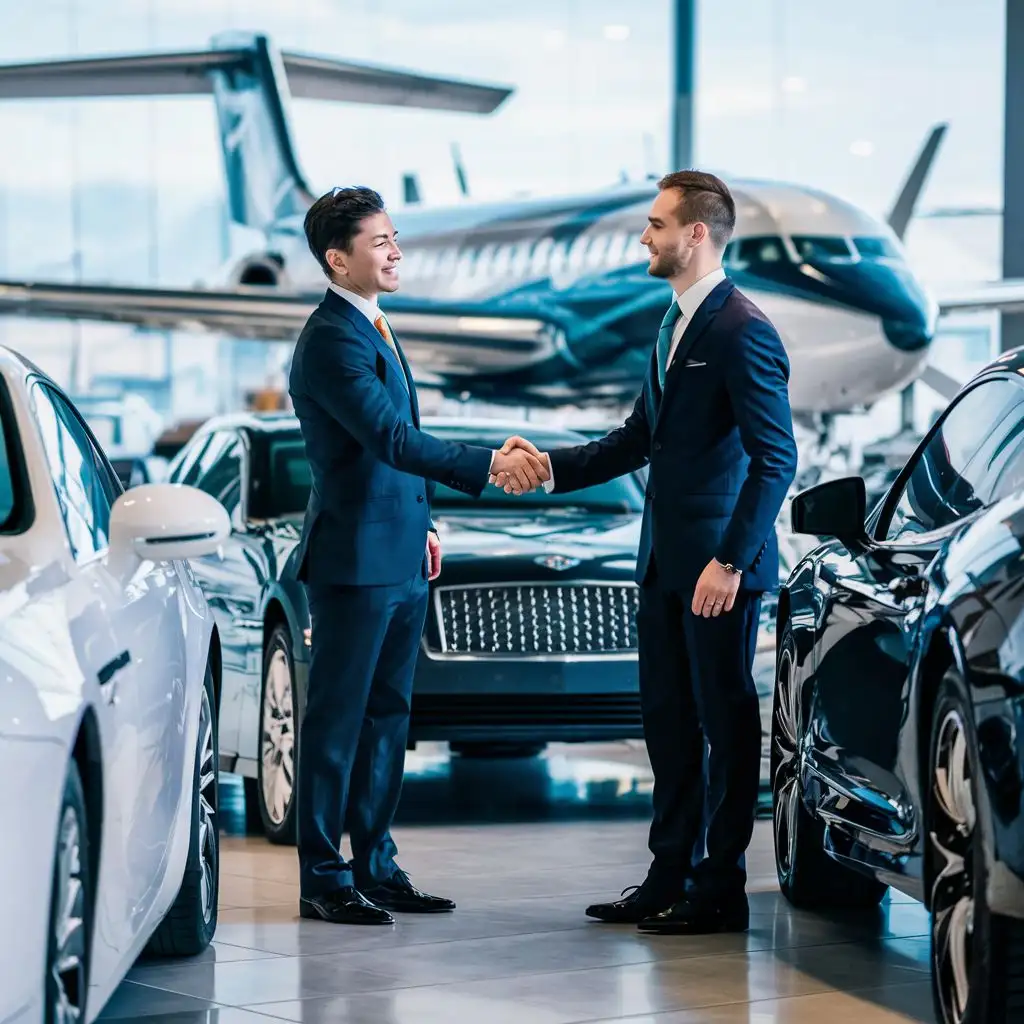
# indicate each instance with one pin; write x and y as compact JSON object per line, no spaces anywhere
{"x":650,"y":495}
{"x":419,"y":497}
{"x":657,"y":446}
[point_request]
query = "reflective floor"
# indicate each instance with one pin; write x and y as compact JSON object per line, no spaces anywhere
{"x":523,"y":846}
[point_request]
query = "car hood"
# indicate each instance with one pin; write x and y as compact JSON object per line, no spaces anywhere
{"x":556,"y":543}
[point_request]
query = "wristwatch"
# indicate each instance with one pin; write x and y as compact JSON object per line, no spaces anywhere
{"x":730,"y":568}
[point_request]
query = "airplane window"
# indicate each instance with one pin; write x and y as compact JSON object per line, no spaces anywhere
{"x":538,"y":263}
{"x":598,"y":248}
{"x":760,"y":249}
{"x":822,"y":248}
{"x":520,"y":259}
{"x":874,"y":248}
{"x":464,"y":266}
{"x":577,"y":252}
{"x":502,"y":258}
{"x":558,"y":257}
{"x":484,"y":261}
{"x":615,"y":254}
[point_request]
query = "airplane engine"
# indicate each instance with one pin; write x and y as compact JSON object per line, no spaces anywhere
{"x":260,"y":270}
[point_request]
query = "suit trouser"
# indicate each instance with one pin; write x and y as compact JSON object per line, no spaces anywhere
{"x":354,"y":729}
{"x":698,"y":698}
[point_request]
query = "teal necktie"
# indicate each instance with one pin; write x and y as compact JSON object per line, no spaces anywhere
{"x":672,"y":314}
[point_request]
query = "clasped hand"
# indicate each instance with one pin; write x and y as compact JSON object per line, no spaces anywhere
{"x":519,"y":467}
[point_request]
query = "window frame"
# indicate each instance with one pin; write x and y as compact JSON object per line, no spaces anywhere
{"x":23,"y":510}
{"x":886,"y":508}
{"x":239,"y":517}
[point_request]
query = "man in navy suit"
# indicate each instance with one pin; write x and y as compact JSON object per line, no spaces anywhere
{"x":714,"y":423}
{"x":367,"y":551}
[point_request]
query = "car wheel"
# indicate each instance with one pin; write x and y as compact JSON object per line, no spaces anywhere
{"x":67,"y":957}
{"x":977,"y":956}
{"x":279,"y":740}
{"x":808,"y":876}
{"x":191,"y":922}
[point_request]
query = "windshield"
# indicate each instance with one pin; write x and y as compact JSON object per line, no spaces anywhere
{"x":290,"y":483}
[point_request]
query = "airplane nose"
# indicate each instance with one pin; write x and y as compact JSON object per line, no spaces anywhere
{"x":908,"y":335}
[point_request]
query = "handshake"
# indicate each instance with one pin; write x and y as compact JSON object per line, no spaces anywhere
{"x":518,"y":467}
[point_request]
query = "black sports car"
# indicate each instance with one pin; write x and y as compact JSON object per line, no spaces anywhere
{"x":899,"y":698}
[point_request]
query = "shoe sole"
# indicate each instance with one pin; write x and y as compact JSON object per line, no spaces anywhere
{"x":673,"y":930}
{"x":414,"y":910}
{"x":313,"y":914}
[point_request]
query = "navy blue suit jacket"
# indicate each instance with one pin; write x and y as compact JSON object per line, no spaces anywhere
{"x":720,"y":446}
{"x":372,"y":467}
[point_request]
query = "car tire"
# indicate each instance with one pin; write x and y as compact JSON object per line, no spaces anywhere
{"x":278,"y":739}
{"x":189,"y":925}
{"x":808,"y":877}
{"x":71,"y":900}
{"x":977,"y":957}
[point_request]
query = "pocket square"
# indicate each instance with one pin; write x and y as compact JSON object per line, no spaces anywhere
{"x":691,"y":363}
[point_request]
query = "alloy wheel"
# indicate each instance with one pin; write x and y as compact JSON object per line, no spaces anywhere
{"x":67,"y":972}
{"x":207,"y":806}
{"x":278,"y":732}
{"x":786,"y":802}
{"x":953,"y":890}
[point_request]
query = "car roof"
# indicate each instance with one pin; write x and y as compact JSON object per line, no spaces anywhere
{"x":286,"y":422}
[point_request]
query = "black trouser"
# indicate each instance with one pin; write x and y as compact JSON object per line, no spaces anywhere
{"x":697,"y":694}
{"x":354,"y":730}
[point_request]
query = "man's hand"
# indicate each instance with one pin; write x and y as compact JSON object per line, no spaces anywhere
{"x":518,"y":470}
{"x":433,"y":556}
{"x":716,"y":591}
{"x":516,"y":445}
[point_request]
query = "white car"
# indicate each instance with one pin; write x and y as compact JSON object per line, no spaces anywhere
{"x":109,"y":678}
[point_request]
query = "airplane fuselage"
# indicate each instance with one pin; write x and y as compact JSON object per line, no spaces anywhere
{"x":834,"y":280}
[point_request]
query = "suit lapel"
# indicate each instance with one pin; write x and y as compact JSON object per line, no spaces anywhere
{"x":701,"y":321}
{"x":409,"y":386}
{"x":336,"y":303}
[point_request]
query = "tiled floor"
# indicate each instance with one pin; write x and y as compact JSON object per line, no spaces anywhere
{"x":519,"y":949}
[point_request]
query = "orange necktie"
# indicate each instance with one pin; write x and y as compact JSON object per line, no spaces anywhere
{"x":385,"y":332}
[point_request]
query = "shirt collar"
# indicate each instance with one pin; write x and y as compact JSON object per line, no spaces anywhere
{"x":368,"y":307}
{"x":690,"y":300}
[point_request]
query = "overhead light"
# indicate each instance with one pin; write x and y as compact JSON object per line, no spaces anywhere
{"x":862,"y":148}
{"x":616,"y":33}
{"x":794,"y":83}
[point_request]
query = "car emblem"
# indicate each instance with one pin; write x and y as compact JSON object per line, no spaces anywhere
{"x":557,"y":562}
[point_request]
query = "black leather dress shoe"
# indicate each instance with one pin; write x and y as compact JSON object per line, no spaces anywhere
{"x":399,"y":894}
{"x":699,"y":915}
{"x":643,"y":901}
{"x":343,"y":906}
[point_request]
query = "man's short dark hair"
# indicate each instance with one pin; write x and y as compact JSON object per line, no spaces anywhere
{"x":333,"y":220}
{"x":704,"y":198}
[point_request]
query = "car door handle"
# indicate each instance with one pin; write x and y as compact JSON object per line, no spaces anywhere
{"x":112,"y":667}
{"x":907,"y":586}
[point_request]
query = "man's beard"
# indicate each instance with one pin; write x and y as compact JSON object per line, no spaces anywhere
{"x":668,"y":263}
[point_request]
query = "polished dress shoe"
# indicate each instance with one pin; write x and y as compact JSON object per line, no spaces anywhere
{"x":343,"y":906}
{"x":643,"y":901}
{"x":399,"y":894}
{"x":699,"y":915}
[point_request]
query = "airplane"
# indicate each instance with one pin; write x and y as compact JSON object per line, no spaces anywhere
{"x":534,"y":301}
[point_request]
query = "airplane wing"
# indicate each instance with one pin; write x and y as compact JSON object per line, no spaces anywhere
{"x":1006,"y":296}
{"x":459,"y":336}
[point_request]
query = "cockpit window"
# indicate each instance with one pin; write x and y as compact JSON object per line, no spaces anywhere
{"x":822,"y":248}
{"x":746,"y":252}
{"x":876,"y":248}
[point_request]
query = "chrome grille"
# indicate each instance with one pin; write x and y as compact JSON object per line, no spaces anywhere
{"x":537,"y":619}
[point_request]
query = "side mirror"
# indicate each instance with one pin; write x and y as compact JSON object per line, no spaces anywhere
{"x":162,"y":522}
{"x":836,"y":508}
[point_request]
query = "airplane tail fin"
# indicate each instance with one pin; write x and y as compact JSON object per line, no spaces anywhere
{"x":252,"y":84}
{"x":903,"y":209}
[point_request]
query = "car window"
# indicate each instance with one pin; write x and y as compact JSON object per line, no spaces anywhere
{"x":11,"y":497}
{"x":221,"y":469}
{"x":85,"y":486}
{"x":184,"y":464}
{"x":954,"y":473}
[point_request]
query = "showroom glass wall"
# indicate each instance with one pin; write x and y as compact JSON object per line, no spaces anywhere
{"x":132,"y":190}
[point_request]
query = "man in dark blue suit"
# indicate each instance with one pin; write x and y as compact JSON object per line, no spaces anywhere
{"x":367,"y":551}
{"x":714,"y":423}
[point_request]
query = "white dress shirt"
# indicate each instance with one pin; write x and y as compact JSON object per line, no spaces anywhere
{"x":689,"y":302}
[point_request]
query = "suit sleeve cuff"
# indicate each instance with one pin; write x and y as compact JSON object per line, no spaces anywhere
{"x":549,"y":484}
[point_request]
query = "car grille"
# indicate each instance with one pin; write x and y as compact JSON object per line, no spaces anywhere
{"x":538,"y":619}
